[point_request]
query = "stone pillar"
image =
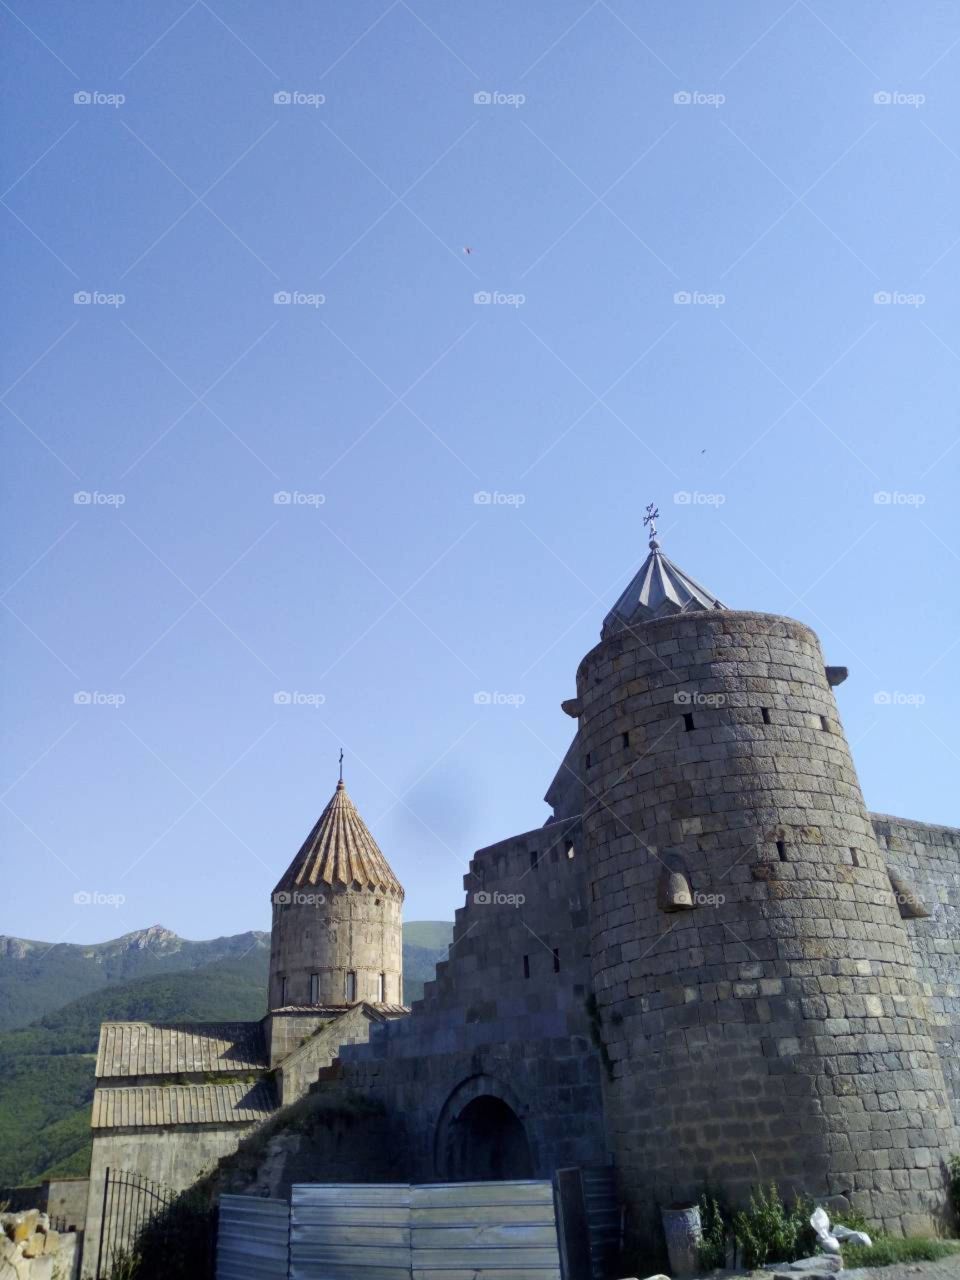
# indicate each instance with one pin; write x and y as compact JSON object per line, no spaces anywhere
{"x":755,"y":984}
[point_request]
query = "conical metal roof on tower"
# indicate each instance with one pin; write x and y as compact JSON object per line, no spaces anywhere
{"x":658,"y":589}
{"x":340,"y":852}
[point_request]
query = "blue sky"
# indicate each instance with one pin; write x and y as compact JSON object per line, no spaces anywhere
{"x":789,"y":169}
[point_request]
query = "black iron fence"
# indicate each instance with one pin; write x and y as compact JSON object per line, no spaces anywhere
{"x":131,"y":1203}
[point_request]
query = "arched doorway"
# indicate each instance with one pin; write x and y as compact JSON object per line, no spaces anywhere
{"x":488,"y":1143}
{"x":481,"y":1136}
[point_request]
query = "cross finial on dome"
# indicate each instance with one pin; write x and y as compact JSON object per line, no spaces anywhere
{"x":341,"y":768}
{"x":651,"y":518}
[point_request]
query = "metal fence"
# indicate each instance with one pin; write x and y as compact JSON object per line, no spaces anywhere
{"x":253,"y":1239}
{"x":350,"y":1232}
{"x":130,"y":1202}
{"x":477,"y":1230}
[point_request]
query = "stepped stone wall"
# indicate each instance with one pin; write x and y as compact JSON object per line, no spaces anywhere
{"x":778,"y":1029}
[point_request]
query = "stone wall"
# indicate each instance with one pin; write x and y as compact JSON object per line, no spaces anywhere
{"x":175,"y":1157}
{"x":928,"y":857}
{"x":777,"y":1029}
{"x":30,"y":1249}
{"x":507,"y":1016}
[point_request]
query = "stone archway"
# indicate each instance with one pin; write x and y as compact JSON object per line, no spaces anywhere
{"x":481,"y":1136}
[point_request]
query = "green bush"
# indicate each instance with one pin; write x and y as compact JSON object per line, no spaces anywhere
{"x":953,"y":1165}
{"x":715,"y":1227}
{"x":887,"y":1250}
{"x":767,"y":1231}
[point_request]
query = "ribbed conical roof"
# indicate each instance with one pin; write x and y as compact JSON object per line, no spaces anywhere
{"x":658,"y":589}
{"x":340,"y":851}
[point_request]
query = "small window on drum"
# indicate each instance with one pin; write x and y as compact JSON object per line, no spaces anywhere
{"x":350,"y":990}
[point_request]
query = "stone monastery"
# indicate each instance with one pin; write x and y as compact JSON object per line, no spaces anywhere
{"x":724,"y":969}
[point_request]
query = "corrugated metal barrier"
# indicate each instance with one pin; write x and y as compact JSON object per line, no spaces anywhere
{"x":350,"y":1232}
{"x":253,"y":1239}
{"x":475,"y":1230}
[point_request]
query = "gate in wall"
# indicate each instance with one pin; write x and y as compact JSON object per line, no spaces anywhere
{"x":130,"y":1203}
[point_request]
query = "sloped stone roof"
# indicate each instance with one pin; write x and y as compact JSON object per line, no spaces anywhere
{"x":658,"y":589}
{"x":340,"y":852}
{"x":156,"y":1048}
{"x":155,"y":1106}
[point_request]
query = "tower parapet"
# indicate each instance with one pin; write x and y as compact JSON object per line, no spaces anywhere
{"x":755,"y":982}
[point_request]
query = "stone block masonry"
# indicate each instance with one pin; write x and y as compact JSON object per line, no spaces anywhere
{"x":778,"y":1029}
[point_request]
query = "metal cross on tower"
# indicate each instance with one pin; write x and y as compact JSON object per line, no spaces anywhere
{"x":651,"y":518}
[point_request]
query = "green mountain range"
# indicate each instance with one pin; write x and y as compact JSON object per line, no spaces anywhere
{"x":47,"y":1063}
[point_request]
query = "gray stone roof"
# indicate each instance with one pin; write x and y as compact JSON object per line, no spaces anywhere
{"x":155,"y":1106}
{"x":340,"y":851}
{"x":156,"y":1048}
{"x":658,"y":589}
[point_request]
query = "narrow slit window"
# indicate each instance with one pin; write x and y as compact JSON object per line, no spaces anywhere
{"x":314,"y":988}
{"x":782,"y":850}
{"x":766,"y":714}
{"x":534,"y":859}
{"x":526,"y":966}
{"x":588,"y":761}
{"x":556,"y":959}
{"x":350,"y":987}
{"x":283,"y":991}
{"x":381,"y":988}
{"x":854,"y":857}
{"x":688,"y":721}
{"x":824,"y":723}
{"x":571,"y":851}
{"x":626,"y":738}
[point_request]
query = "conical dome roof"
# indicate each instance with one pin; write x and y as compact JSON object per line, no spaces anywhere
{"x":340,"y":851}
{"x":658,"y":589}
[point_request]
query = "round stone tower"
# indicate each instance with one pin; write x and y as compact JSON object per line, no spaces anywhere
{"x":337,"y":935}
{"x":760,"y":1011}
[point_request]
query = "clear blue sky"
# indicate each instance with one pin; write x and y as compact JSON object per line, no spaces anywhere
{"x":782,"y":185}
